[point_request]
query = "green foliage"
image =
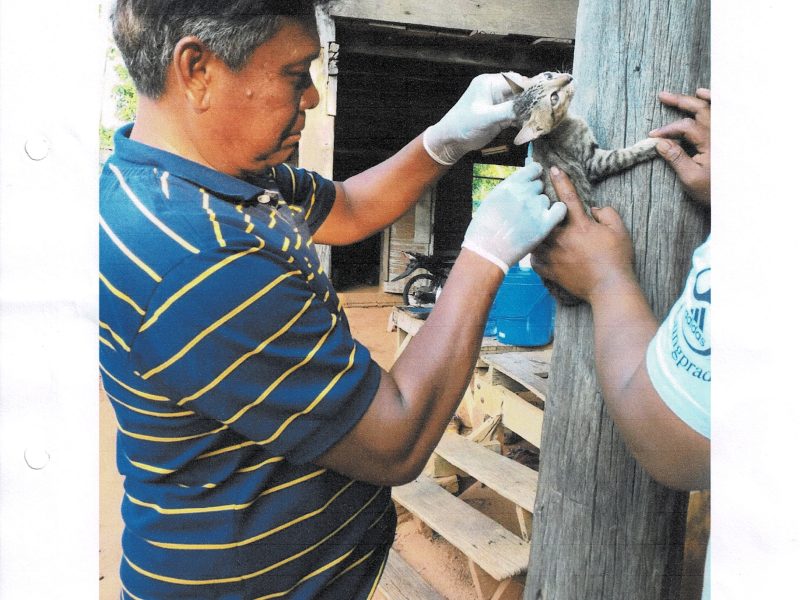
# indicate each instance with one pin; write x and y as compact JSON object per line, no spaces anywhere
{"x":485,"y":178}
{"x":124,"y":94}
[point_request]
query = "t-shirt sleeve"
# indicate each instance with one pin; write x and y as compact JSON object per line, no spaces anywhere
{"x":679,"y":356}
{"x":312,"y":194}
{"x":240,"y":337}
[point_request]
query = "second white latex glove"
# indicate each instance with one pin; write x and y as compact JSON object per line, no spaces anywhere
{"x":512,"y":220}
{"x":482,"y":112}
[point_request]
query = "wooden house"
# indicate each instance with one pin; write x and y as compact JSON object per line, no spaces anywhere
{"x":391,"y":68}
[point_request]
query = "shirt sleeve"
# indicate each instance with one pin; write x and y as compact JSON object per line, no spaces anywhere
{"x":240,"y":337}
{"x":308,"y":191}
{"x":679,"y":356}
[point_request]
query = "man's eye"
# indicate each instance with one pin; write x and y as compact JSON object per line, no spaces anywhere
{"x":301,"y":80}
{"x":554,"y":98}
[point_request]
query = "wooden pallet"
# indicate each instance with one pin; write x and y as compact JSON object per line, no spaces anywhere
{"x":495,"y":554}
{"x":508,"y":478}
{"x":401,"y":582}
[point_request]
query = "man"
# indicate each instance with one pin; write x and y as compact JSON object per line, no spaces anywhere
{"x":255,"y":435}
{"x":655,"y":378}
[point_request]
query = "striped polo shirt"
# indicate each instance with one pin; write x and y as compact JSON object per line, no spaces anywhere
{"x":230,"y":365}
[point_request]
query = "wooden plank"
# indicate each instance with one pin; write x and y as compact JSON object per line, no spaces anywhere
{"x":536,"y":18}
{"x":507,"y":477}
{"x":526,"y":368}
{"x":498,"y":551}
{"x":521,"y":417}
{"x":401,"y":582}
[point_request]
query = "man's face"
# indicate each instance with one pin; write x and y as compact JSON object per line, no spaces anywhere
{"x":255,"y":115}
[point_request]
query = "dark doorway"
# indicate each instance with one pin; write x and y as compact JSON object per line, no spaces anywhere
{"x":395,"y":81}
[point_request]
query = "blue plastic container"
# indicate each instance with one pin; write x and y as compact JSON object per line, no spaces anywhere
{"x":524,"y":311}
{"x":491,"y":322}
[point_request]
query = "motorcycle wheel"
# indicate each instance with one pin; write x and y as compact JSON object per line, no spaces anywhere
{"x":420,"y":290}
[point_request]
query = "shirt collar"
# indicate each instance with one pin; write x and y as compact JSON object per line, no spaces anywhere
{"x":213,"y":181}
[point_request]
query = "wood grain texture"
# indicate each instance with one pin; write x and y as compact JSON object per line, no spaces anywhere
{"x":538,"y":18}
{"x":401,"y":582}
{"x":498,"y":551}
{"x":508,"y":478}
{"x":602,"y":529}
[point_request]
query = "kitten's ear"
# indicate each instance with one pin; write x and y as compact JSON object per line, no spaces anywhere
{"x":516,"y":81}
{"x":526,"y":134}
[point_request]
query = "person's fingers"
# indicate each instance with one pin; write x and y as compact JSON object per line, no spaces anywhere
{"x":690,"y":104}
{"x":501,"y":114}
{"x":527,"y":173}
{"x":566,"y":192}
{"x":688,"y":129}
{"x":680,"y":162}
{"x":537,"y":187}
{"x":554,"y":215}
{"x":609,"y":217}
{"x":704,"y":94}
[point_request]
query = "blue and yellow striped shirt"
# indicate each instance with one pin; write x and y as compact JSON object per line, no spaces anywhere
{"x":229,"y":362}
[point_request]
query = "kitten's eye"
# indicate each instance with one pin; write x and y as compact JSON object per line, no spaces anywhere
{"x":554,"y":98}
{"x":548,"y":75}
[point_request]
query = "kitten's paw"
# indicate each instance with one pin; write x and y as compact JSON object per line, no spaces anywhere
{"x":647,"y":147}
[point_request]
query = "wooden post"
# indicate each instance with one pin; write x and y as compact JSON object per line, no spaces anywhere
{"x":316,"y":146}
{"x":602,"y":529}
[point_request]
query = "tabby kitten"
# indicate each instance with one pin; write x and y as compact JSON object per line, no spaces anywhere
{"x":566,"y":141}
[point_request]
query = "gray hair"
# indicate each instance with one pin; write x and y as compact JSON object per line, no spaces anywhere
{"x":146,"y":31}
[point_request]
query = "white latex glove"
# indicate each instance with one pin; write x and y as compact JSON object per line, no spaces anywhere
{"x":477,"y":118}
{"x":513,"y":218}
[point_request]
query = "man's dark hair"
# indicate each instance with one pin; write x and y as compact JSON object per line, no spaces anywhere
{"x":146,"y":31}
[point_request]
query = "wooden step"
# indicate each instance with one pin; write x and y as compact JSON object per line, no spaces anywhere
{"x":401,"y":582}
{"x":507,"y":477}
{"x":529,"y":369}
{"x":492,"y":547}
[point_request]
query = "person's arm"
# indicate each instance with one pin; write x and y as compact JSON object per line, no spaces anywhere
{"x":418,"y":396}
{"x":593,"y":259}
{"x":372,"y":200}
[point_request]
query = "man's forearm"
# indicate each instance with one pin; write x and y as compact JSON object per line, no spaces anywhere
{"x":432,"y":372}
{"x":664,"y":445}
{"x":377,"y":197}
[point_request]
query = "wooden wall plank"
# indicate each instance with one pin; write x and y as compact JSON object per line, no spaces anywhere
{"x":537,"y":18}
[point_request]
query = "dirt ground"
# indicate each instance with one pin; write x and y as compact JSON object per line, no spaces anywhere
{"x":443,"y":566}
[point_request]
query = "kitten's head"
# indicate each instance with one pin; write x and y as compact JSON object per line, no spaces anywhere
{"x":541,"y":102}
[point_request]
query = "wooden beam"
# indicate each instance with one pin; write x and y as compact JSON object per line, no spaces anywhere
{"x":536,"y":18}
{"x":602,"y":528}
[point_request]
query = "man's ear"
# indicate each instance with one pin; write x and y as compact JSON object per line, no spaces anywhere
{"x":190,"y":61}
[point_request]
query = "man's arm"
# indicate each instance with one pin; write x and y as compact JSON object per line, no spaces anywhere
{"x":372,"y":200}
{"x":593,"y":259}
{"x":417,"y":398}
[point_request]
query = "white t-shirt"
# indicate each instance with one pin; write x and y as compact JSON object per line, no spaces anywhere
{"x":679,"y":357}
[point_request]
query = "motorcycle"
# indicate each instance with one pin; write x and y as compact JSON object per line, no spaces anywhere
{"x":424,"y":288}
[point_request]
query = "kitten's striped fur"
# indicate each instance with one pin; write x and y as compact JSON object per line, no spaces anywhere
{"x":566,"y":141}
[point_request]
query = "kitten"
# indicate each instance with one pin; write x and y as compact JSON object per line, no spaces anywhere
{"x":566,"y":141}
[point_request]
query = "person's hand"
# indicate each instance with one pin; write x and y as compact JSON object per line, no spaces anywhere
{"x":588,"y":254}
{"x":694,"y":172}
{"x":476,"y":119}
{"x":513,"y":218}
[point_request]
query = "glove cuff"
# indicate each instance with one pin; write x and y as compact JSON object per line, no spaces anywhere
{"x":427,"y":137}
{"x":484,"y":254}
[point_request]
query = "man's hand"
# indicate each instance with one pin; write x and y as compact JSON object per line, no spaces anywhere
{"x":477,"y":118}
{"x":694,"y":172}
{"x":513,"y":218}
{"x":587,"y":256}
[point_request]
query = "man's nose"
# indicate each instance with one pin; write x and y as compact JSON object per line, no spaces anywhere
{"x":310,"y":98}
